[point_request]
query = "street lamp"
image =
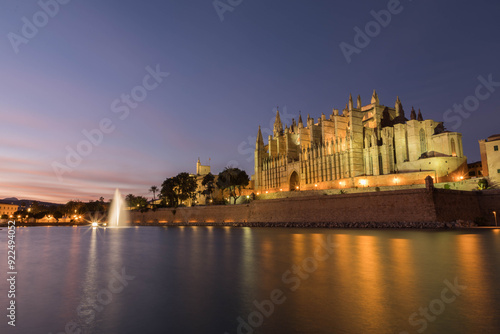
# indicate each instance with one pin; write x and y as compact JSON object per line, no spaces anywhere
{"x":495,"y":214}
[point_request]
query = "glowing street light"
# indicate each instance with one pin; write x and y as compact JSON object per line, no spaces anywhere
{"x":363,"y":182}
{"x":396,"y":180}
{"x":495,"y":214}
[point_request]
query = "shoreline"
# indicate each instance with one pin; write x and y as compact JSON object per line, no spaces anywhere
{"x":332,"y":225}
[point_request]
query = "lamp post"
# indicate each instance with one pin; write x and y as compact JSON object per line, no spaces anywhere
{"x":495,"y":214}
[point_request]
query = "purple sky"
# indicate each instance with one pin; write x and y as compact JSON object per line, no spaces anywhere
{"x":226,"y":78}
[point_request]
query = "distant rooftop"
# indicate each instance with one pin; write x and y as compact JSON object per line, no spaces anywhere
{"x":494,"y":137}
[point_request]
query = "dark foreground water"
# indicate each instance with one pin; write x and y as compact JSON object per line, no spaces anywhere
{"x":253,"y":280}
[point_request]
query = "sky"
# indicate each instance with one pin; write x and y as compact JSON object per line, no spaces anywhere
{"x":98,"y":95}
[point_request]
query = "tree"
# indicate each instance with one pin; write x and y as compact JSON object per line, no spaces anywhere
{"x":136,"y":202}
{"x":154,"y":190}
{"x":168,"y":192}
{"x":58,"y":215}
{"x":39,"y":215}
{"x":36,"y":207}
{"x":185,"y":187}
{"x":141,"y":203}
{"x":130,"y":200}
{"x":209,"y":184}
{"x":73,"y":207}
{"x":179,"y":188}
{"x":233,"y":180}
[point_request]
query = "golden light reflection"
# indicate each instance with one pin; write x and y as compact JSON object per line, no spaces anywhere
{"x":473,"y":267}
{"x":367,"y":258}
{"x":403,"y":270}
{"x":298,"y":247}
{"x":343,"y":256}
{"x":248,"y":258}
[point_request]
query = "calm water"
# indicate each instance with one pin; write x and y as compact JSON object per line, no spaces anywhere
{"x":202,"y":279}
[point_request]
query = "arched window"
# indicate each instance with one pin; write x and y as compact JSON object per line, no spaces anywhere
{"x":423,"y":142}
{"x":453,"y":149}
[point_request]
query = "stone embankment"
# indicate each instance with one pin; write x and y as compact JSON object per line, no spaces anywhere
{"x":423,"y":225}
{"x":415,"y":208}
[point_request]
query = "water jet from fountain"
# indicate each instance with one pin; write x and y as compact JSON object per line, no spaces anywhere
{"x":118,"y":216}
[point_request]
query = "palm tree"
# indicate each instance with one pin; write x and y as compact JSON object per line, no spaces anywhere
{"x":153,"y":190}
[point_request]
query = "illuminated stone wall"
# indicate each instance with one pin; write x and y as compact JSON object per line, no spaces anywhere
{"x":415,"y":205}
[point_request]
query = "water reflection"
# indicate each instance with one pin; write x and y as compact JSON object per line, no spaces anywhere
{"x":472,"y":261}
{"x":371,"y":284}
{"x":200,"y":280}
{"x":89,"y":287}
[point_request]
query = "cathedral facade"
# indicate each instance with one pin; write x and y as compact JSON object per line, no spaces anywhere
{"x":364,"y":146}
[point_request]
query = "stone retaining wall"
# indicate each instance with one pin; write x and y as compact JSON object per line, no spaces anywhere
{"x":385,"y":207}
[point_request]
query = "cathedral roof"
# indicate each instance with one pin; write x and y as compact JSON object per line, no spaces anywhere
{"x":494,"y":137}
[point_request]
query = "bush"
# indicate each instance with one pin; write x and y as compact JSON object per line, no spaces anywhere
{"x":482,"y":184}
{"x":447,"y":186}
{"x":377,"y":188}
{"x":342,"y":192}
{"x":5,"y":217}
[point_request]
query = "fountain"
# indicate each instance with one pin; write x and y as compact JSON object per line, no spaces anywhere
{"x":117,"y":215}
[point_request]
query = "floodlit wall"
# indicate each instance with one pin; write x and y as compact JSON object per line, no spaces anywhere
{"x":412,"y":205}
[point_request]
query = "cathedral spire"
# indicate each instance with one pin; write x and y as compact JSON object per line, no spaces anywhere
{"x":375,"y":99}
{"x":350,"y":102}
{"x":301,"y":124}
{"x":419,"y":117}
{"x":358,"y":102}
{"x":260,"y":140}
{"x":399,"y":108}
{"x":413,"y":116}
{"x":278,"y":127}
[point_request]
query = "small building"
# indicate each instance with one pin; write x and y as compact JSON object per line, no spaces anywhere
{"x":8,"y":209}
{"x":475,"y":169}
{"x":201,"y":199}
{"x":490,"y":158}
